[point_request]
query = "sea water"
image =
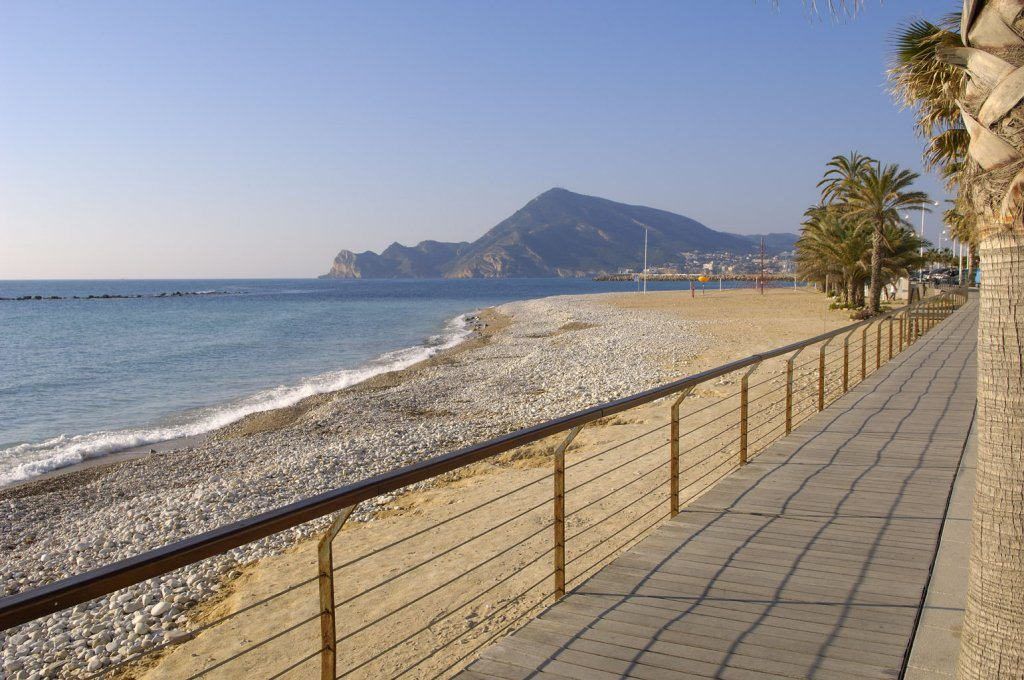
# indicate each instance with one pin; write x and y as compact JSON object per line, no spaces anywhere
{"x":82,"y":378}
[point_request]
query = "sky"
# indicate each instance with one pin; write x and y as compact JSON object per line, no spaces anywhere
{"x":246,"y":139}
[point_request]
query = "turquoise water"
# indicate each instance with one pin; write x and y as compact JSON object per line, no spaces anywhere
{"x":84,"y":378}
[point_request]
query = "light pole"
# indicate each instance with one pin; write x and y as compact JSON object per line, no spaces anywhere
{"x":960,"y":263}
{"x":921,"y":253}
{"x":645,"y":259}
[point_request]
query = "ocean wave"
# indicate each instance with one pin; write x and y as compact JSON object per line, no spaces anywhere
{"x":25,"y":461}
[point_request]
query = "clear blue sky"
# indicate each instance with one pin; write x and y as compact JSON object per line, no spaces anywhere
{"x":186,"y":139}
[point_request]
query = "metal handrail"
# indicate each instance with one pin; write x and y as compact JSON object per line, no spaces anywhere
{"x":32,"y":604}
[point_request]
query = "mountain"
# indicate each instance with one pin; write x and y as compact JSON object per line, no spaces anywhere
{"x":559,"y":233}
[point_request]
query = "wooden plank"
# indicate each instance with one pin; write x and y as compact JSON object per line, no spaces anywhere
{"x":809,"y":562}
{"x":731,"y":620}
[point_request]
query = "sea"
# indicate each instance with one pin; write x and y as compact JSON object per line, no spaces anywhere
{"x":160,"y":360}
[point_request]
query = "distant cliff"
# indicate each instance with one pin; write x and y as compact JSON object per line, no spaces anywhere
{"x":559,"y":233}
{"x":427,"y":259}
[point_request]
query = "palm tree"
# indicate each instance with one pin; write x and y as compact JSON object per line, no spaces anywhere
{"x":924,"y":82}
{"x":901,"y":254}
{"x":877,"y":198}
{"x":961,"y":223}
{"x":831,"y":248}
{"x":992,"y":110}
{"x":842,"y":174}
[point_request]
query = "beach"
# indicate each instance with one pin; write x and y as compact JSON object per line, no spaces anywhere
{"x":527,"y":362}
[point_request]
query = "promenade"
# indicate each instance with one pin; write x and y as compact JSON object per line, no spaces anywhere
{"x":813,"y":561}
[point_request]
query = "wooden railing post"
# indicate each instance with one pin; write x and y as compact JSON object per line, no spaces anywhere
{"x":673,"y":465}
{"x":325,"y":572}
{"x":560,"y":511}
{"x":846,"y":363}
{"x":864,"y":352}
{"x":902,"y":316}
{"x":743,"y":413}
{"x":789,"y":389}
{"x":821,"y":375}
{"x":891,"y":322}
{"x":878,"y":345}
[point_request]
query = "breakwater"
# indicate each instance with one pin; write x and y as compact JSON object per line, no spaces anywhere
{"x":118,"y":296}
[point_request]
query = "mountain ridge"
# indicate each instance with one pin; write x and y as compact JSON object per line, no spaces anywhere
{"x":558,"y":233}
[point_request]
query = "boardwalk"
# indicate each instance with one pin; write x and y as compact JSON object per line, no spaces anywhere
{"x":812,"y":561}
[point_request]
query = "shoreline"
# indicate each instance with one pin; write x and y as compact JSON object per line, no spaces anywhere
{"x":535,"y":360}
{"x":476,"y":324}
{"x":91,"y":469}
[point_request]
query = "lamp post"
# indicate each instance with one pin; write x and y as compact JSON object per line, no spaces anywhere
{"x":960,"y":263}
{"x":645,"y":259}
{"x":921,"y":253}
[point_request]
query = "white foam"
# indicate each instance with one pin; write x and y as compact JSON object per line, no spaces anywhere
{"x":25,"y":461}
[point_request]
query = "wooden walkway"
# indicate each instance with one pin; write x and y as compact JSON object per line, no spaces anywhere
{"x":810,"y":562}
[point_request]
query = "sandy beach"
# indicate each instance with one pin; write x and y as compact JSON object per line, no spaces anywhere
{"x":533,"y":361}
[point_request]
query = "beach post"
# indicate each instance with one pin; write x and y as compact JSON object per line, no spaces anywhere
{"x":743,"y":412}
{"x":325,"y":568}
{"x":560,"y":511}
{"x":902,"y":316}
{"x":673,"y":465}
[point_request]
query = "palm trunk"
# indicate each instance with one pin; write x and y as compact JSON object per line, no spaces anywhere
{"x":992,"y":643}
{"x":992,"y":640}
{"x":874,"y":301}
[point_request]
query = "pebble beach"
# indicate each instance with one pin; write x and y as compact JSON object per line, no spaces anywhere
{"x":527,"y":362}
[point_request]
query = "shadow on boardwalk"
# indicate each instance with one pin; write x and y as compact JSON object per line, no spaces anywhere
{"x":811,"y":561}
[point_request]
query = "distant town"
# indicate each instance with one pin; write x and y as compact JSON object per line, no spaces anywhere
{"x":715,"y":264}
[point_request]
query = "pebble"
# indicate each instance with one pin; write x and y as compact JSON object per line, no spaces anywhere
{"x":534,"y":370}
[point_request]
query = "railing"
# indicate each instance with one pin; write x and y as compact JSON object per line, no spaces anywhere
{"x":420,"y":591}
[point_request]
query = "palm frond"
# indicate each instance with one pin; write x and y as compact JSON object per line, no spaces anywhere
{"x":919,"y":80}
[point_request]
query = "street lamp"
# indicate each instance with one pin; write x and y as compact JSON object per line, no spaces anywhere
{"x":645,"y":259}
